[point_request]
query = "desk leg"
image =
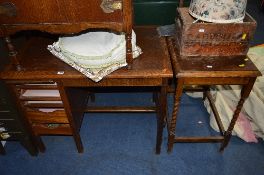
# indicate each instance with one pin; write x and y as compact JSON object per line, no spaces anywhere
{"x":74,"y":128}
{"x":246,"y":89}
{"x":38,"y":141}
{"x":161,"y":104}
{"x":29,"y":146}
{"x":172,"y":123}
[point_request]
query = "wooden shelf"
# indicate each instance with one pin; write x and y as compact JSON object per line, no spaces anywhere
{"x":37,"y":62}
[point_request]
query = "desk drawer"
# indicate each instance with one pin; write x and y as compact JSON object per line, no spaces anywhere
{"x":93,"y":10}
{"x":52,"y":129}
{"x":60,"y":11}
{"x":56,"y":116}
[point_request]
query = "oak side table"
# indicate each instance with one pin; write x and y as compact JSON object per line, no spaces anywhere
{"x":204,"y":72}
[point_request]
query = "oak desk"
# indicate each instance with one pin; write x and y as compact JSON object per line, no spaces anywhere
{"x":151,"y":69}
{"x":206,"y":71}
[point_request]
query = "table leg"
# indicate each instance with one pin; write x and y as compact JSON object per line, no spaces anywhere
{"x":29,"y":146}
{"x":67,"y":107}
{"x":39,"y":143}
{"x":246,"y":89}
{"x":161,"y":104}
{"x":172,"y":123}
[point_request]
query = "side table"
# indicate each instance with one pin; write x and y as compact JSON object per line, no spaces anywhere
{"x":204,"y":72}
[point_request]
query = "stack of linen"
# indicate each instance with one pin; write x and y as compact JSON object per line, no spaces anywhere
{"x":95,"y":54}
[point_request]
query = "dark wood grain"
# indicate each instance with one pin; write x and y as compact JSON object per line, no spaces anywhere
{"x":43,"y":129}
{"x":36,"y":116}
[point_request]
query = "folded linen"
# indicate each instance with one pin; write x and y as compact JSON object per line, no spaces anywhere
{"x":95,"y":54}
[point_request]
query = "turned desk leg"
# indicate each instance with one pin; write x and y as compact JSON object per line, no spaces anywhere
{"x":12,"y":53}
{"x":246,"y":89}
{"x":92,"y":97}
{"x":129,"y":53}
{"x":161,"y":104}
{"x":172,"y":123}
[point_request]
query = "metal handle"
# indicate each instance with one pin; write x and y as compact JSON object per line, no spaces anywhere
{"x":52,"y":125}
{"x":8,"y":9}
{"x":109,"y":6}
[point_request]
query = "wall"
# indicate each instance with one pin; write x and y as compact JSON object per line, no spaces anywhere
{"x":155,"y":12}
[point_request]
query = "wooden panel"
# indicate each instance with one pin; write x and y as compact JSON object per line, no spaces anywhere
{"x":39,"y":63}
{"x":88,"y":11}
{"x":58,"y":116}
{"x":215,"y":80}
{"x":115,"y":82}
{"x":64,"y":16}
{"x":44,"y":129}
{"x":32,"y":11}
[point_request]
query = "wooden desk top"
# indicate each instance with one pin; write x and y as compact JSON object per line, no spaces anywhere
{"x":38,"y":63}
{"x":195,"y":66}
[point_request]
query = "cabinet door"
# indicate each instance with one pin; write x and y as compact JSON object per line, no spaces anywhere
{"x":90,"y":11}
{"x":30,"y":11}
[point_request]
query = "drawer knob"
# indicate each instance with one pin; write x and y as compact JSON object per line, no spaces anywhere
{"x":8,"y":9}
{"x":109,"y":6}
{"x":52,"y":125}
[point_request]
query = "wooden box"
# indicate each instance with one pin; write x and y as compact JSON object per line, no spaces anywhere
{"x":212,"y":39}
